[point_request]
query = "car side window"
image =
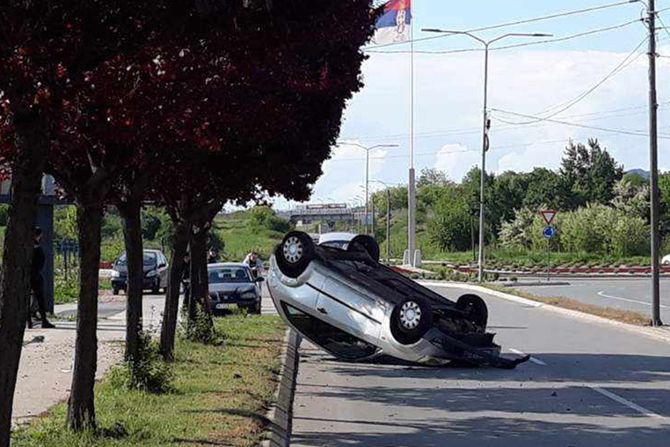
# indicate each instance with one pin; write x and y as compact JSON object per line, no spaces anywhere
{"x":329,"y":337}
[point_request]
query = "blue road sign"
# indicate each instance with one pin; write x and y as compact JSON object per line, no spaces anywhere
{"x":549,"y":232}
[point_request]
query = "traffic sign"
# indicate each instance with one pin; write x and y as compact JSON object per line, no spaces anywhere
{"x":549,"y":232}
{"x":548,"y":216}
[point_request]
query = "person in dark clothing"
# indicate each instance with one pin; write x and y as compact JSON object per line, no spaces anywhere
{"x":37,"y":280}
{"x":186,"y":279}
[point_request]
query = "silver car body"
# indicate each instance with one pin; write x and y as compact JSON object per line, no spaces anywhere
{"x":330,"y":297}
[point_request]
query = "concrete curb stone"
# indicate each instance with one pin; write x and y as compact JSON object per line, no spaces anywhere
{"x":280,"y":414}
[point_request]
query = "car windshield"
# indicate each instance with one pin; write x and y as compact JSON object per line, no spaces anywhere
{"x":220,"y":275}
{"x":149,"y":259}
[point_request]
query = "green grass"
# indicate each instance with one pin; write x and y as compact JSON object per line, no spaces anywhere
{"x":240,"y":238}
{"x":220,"y":398}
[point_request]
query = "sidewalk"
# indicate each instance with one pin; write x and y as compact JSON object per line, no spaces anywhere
{"x":45,"y":372}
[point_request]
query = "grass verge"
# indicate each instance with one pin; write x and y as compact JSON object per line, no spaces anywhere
{"x":220,"y":398}
{"x":624,"y":316}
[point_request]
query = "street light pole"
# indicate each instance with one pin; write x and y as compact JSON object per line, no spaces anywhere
{"x":485,"y":126}
{"x":653,"y":159}
{"x":367,"y":174}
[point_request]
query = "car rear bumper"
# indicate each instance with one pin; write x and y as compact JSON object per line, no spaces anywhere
{"x":122,"y":283}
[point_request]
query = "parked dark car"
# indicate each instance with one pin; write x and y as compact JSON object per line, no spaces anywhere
{"x":155,"y":272}
{"x":233,"y":285}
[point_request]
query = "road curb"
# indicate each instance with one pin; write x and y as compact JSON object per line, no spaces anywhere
{"x":656,"y":333}
{"x":280,"y":414}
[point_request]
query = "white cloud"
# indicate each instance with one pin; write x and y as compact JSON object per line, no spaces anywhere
{"x":448,"y":113}
{"x":455,"y":160}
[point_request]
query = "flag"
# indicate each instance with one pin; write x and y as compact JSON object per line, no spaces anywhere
{"x":394,"y":24}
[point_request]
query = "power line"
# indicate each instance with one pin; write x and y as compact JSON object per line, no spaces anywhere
{"x":518,"y":45}
{"x":516,"y":22}
{"x":582,"y":126}
{"x":603,"y":114}
{"x":627,"y":61}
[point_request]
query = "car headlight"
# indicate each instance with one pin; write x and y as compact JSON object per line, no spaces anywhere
{"x":151,"y":273}
{"x":248,"y":296}
{"x":116,"y":274}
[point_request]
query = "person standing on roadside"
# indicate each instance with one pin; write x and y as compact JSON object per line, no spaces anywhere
{"x":37,"y":280}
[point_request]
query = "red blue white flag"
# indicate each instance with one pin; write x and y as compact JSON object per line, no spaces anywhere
{"x":394,"y":24}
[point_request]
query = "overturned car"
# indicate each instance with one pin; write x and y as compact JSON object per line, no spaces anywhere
{"x":338,"y":295}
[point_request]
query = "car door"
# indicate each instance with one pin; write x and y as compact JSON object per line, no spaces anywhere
{"x":347,"y":308}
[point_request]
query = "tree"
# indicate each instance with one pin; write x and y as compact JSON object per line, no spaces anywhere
{"x":431,"y":176}
{"x":46,"y":49}
{"x":631,"y":198}
{"x":545,"y":189}
{"x":450,"y":227}
{"x":590,"y":173}
{"x":280,"y":67}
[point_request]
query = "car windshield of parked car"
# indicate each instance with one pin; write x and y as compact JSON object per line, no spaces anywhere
{"x":229,"y":274}
{"x":149,"y":259}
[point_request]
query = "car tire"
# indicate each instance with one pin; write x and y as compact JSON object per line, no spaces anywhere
{"x":365,"y":243}
{"x":411,"y":319}
{"x":156,"y":289}
{"x":475,"y":309}
{"x":295,"y":253}
{"x":115,"y":291}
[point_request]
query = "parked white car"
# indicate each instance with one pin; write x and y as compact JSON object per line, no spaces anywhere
{"x":338,"y":295}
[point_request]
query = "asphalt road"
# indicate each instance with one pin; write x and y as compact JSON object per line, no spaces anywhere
{"x":626,"y":293}
{"x":587,"y":385}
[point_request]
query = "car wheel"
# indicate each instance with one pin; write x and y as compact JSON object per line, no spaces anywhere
{"x":156,"y":288}
{"x":365,"y":243}
{"x":411,"y":319}
{"x":295,"y":253}
{"x":474,"y":308}
{"x":115,"y":291}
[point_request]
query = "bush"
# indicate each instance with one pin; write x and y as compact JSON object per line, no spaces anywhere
{"x":66,"y":290}
{"x":148,"y":373}
{"x":201,"y":328}
{"x":630,"y":237}
{"x":588,"y":229}
{"x":265,"y":217}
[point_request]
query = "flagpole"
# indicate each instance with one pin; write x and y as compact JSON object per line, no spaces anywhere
{"x":411,"y":190}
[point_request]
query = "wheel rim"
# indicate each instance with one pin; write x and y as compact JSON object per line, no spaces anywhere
{"x":410,"y":315}
{"x":293,"y":250}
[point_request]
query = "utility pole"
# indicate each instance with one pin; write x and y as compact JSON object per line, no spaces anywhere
{"x":388,"y":226}
{"x":485,"y":137}
{"x":653,"y":158}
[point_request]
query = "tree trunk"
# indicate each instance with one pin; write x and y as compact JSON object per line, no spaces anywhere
{"x":199,"y":278}
{"x":132,"y":232}
{"x":31,"y":143}
{"x":81,"y":405}
{"x":170,"y":314}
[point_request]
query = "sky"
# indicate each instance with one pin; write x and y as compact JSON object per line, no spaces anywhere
{"x":538,"y":79}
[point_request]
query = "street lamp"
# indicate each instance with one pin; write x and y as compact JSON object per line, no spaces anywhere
{"x":367,"y":150}
{"x":486,"y":125}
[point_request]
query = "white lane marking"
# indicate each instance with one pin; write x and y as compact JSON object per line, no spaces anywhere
{"x":626,"y":402}
{"x":628,"y":300}
{"x":532,"y":359}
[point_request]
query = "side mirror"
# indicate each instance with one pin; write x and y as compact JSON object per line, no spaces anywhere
{"x":259,"y":279}
{"x":161,"y":265}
